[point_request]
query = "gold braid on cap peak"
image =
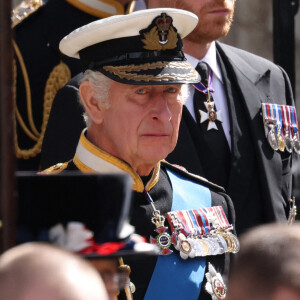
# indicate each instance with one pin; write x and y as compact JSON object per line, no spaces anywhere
{"x":124,"y":71}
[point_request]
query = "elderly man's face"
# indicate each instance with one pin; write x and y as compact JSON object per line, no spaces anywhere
{"x":215,"y":16}
{"x":141,"y":125}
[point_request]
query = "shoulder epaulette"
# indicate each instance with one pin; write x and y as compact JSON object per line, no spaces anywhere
{"x":56,"y":169}
{"x":23,"y":10}
{"x":193,"y":176}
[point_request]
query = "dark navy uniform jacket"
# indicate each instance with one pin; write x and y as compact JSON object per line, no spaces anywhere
{"x":162,"y":195}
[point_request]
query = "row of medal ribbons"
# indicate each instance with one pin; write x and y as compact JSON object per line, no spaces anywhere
{"x":281,"y":127}
{"x":202,"y":232}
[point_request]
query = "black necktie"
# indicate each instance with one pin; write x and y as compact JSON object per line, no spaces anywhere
{"x":215,"y":153}
{"x":201,"y":97}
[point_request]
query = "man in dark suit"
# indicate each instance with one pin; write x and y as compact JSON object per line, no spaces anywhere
{"x":41,"y":70}
{"x":135,"y":82}
{"x":257,"y":177}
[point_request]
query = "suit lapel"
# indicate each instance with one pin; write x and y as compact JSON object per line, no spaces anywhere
{"x":255,"y":89}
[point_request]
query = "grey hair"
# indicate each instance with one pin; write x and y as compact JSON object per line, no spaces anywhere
{"x":100,"y":85}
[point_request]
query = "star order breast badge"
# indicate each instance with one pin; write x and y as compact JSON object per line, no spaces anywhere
{"x":215,"y":285}
{"x":211,"y":115}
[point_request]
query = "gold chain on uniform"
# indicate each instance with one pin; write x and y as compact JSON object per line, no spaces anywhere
{"x":58,"y":77}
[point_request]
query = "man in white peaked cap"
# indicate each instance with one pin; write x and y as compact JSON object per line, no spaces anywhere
{"x":134,"y":86}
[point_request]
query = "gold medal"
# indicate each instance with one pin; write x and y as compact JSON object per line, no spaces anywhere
{"x":205,"y":247}
{"x":230,"y":244}
{"x":281,"y":142}
{"x":235,"y":243}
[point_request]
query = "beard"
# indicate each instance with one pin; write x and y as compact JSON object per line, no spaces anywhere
{"x":208,"y":32}
{"x":209,"y":28}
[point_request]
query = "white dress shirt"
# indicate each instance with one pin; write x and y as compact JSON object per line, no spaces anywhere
{"x":219,"y":95}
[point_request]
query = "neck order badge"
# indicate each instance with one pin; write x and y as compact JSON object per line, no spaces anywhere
{"x":205,"y":87}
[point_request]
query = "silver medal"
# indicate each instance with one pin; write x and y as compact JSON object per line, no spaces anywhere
{"x":219,"y":246}
{"x":273,"y":140}
{"x":296,"y":145}
{"x":288,"y":144}
{"x":200,"y":249}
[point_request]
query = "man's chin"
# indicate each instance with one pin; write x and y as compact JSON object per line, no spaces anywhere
{"x":209,"y":33}
{"x":154,"y":155}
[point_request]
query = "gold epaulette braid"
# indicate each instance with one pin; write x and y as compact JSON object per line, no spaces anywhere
{"x":58,"y":77}
{"x":56,"y":169}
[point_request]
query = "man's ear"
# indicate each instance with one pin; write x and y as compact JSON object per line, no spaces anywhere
{"x":91,"y":104}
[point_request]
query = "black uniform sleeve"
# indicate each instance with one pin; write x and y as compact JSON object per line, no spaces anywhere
{"x":64,"y":127}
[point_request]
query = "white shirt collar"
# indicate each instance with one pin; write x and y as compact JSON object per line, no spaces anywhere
{"x":210,"y":58}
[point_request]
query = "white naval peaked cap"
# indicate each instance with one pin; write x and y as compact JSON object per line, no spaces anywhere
{"x":142,"y":47}
{"x":121,"y":26}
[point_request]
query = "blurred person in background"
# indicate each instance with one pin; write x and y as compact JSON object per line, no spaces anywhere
{"x":35,"y":271}
{"x":268,"y":264}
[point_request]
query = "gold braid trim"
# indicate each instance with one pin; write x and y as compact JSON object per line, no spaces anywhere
{"x":150,"y":66}
{"x":56,"y":169}
{"x":130,"y":7}
{"x":28,"y":93}
{"x":122,"y":71}
{"x":58,"y":77}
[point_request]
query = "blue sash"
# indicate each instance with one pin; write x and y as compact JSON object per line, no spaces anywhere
{"x":173,"y":277}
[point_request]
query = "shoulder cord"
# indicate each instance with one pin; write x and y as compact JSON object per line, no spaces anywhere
{"x":58,"y":77}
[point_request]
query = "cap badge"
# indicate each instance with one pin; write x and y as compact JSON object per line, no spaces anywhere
{"x":163,"y":24}
{"x":161,"y":34}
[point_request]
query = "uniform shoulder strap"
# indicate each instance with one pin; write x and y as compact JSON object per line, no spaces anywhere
{"x":183,"y":172}
{"x":56,"y":169}
{"x":24,"y":10}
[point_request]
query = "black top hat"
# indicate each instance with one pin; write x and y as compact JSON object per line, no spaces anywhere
{"x":144,"y":47}
{"x":84,"y":213}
